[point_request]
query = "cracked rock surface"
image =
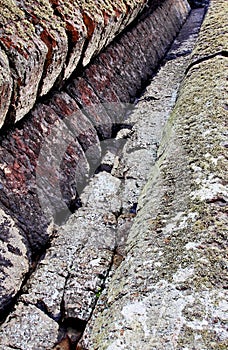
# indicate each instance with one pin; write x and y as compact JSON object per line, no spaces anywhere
{"x":171,"y":290}
{"x":87,"y":250}
{"x":47,"y":157}
{"x":14,"y":259}
{"x":27,"y":329}
{"x":42,"y":42}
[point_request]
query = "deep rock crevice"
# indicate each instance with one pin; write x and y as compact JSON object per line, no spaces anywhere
{"x":175,"y":236}
{"x":111,"y":216}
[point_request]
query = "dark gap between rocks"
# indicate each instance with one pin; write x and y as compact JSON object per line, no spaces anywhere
{"x":75,"y":324}
{"x":36,"y":258}
{"x":116,"y":260}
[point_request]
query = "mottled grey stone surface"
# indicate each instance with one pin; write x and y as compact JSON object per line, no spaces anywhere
{"x":170,"y":292}
{"x":14,"y":259}
{"x":173,"y":293}
{"x":214,"y":36}
{"x":6,"y":86}
{"x":48,"y":157}
{"x":173,"y":264}
{"x":29,"y":329}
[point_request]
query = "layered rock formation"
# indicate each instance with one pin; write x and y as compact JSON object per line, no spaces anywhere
{"x":50,"y":154}
{"x":43,"y":42}
{"x":171,"y":290}
{"x":152,"y":293}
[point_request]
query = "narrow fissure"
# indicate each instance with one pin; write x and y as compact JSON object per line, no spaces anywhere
{"x":117,"y":257}
{"x":36,"y":258}
{"x":204,"y":59}
{"x":75,"y":326}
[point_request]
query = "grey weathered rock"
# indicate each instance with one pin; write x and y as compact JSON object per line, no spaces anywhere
{"x":75,"y":266}
{"x":28,"y":328}
{"x":214,"y":38}
{"x":170,"y":291}
{"x":13,"y":259}
{"x":151,"y":113}
{"x":103,"y":190}
{"x":6,"y":86}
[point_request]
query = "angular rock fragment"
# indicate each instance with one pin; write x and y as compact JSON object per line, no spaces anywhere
{"x":28,"y":328}
{"x":74,"y":268}
{"x":13,"y":259}
{"x":103,"y":188}
{"x":91,"y":264}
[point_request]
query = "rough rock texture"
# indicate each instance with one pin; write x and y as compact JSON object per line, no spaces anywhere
{"x":215,"y":38}
{"x":23,"y":335}
{"x":46,"y":40}
{"x":6,"y":86}
{"x":49,"y":156}
{"x":70,"y":278}
{"x":26,"y":53}
{"x":14,"y":259}
{"x":171,"y":290}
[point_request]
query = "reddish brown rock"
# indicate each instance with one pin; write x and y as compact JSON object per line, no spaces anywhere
{"x":132,"y":42}
{"x":102,"y":22}
{"x":101,"y":76}
{"x":76,"y":31}
{"x":37,"y":161}
{"x":46,"y":40}
{"x":87,"y":98}
{"x":26,"y":53}
{"x":78,"y":124}
{"x":51,"y":30}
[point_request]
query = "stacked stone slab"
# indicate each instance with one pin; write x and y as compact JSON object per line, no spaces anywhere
{"x":171,"y":290}
{"x":43,"y":42}
{"x":50,"y":154}
{"x":87,"y":249}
